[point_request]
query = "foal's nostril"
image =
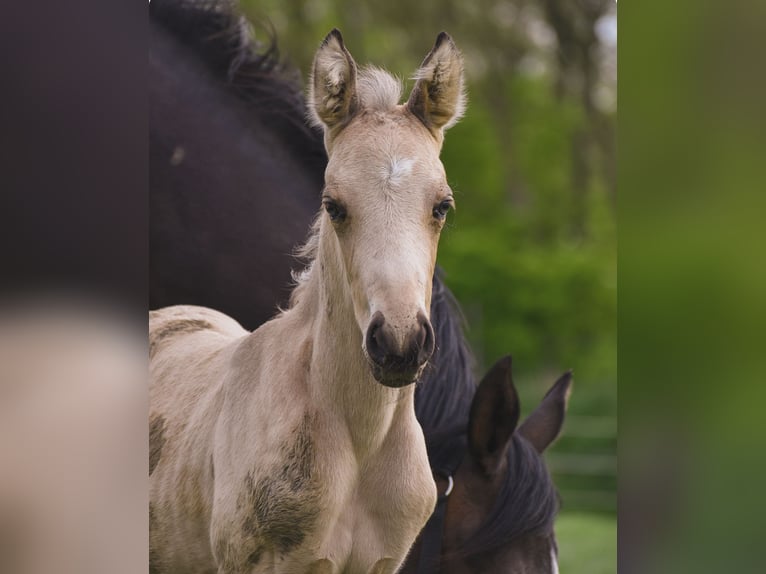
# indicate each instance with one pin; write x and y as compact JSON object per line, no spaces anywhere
{"x":426,"y":339}
{"x":375,"y":339}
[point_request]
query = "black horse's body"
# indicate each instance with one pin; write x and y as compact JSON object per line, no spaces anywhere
{"x":231,"y":191}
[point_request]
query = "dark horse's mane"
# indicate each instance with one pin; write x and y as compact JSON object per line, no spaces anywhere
{"x":527,"y":501}
{"x":443,"y":396}
{"x":223,"y":40}
{"x":250,"y":68}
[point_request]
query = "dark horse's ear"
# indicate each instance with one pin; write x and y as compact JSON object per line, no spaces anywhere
{"x":494,"y":414}
{"x":438,"y":98}
{"x":332,"y":88}
{"x":544,"y":424}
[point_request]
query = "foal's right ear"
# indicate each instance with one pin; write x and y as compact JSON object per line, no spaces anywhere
{"x":438,"y":98}
{"x":494,"y":414}
{"x":332,"y":88}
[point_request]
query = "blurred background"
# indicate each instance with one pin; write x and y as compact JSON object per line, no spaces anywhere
{"x":691,"y":275}
{"x":530,"y":252}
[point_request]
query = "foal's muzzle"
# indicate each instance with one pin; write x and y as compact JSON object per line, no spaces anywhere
{"x":394,"y":366}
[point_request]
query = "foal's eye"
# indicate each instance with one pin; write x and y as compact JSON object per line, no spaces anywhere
{"x":334,"y":210}
{"x":441,"y":209}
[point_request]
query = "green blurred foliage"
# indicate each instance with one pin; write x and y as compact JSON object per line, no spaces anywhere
{"x":587,"y":543}
{"x":692,"y":282}
{"x":530,"y":251}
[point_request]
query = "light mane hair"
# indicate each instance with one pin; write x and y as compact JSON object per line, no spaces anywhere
{"x":376,"y":88}
{"x":307,"y":253}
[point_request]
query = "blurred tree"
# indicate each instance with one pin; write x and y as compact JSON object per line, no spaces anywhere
{"x":574,"y":22}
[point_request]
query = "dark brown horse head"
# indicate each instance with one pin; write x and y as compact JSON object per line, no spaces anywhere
{"x":501,"y":505}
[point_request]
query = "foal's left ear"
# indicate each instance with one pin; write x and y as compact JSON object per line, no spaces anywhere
{"x":494,"y":414}
{"x":438,"y":98}
{"x":544,"y":424}
{"x":333,"y":100}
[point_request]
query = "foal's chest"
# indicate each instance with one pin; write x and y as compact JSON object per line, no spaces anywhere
{"x":308,"y":515}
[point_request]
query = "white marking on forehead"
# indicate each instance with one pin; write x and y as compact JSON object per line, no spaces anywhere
{"x":398,"y":169}
{"x":554,"y":562}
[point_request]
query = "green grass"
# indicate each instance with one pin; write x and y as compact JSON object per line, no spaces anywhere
{"x":587,"y":543}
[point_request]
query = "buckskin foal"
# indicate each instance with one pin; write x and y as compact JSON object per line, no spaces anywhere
{"x":295,"y":448}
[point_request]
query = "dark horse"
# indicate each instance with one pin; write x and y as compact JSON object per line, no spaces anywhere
{"x":236,"y":176}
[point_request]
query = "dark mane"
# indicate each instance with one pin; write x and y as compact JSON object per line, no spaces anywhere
{"x":444,"y":394}
{"x":527,"y":502}
{"x":224,"y":40}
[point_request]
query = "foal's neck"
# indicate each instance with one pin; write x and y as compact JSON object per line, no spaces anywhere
{"x":341,"y":380}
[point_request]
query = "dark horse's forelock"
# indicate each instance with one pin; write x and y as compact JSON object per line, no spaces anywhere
{"x":527,"y":502}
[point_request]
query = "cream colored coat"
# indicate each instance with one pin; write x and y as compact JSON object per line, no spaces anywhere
{"x":277,"y":451}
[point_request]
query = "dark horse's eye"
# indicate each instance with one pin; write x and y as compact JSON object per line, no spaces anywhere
{"x":334,"y":210}
{"x":441,"y":209}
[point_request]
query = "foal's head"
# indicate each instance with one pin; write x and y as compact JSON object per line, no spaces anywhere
{"x":386,"y":194}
